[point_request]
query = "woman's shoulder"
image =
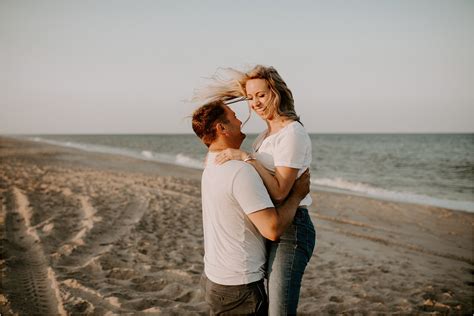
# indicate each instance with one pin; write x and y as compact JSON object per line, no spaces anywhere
{"x":294,"y":128}
{"x":294,"y":134}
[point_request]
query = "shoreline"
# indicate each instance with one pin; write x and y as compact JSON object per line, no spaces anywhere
{"x":321,"y":189}
{"x":382,"y":195}
{"x":110,"y":233}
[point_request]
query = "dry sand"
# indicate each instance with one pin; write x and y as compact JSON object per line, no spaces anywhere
{"x":88,"y":233}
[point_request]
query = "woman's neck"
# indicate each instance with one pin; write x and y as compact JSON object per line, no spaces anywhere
{"x":277,"y":123}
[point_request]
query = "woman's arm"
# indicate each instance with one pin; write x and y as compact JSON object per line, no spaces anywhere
{"x":278,"y":185}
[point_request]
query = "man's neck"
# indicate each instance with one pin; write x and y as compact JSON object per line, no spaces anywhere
{"x":219,"y":146}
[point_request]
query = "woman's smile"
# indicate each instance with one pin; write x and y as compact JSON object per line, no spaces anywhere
{"x":258,"y":94}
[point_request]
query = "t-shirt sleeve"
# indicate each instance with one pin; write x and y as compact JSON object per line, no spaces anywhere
{"x":249,"y":191}
{"x":291,"y":150}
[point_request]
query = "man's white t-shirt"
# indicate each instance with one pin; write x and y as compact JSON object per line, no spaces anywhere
{"x":289,"y":147}
{"x":234,"y":250}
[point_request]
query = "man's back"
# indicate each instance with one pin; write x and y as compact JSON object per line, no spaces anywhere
{"x":234,"y":249}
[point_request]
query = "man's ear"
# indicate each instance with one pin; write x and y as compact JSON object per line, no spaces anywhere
{"x":220,"y":128}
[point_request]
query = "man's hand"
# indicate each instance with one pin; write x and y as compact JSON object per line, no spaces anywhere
{"x":301,"y":187}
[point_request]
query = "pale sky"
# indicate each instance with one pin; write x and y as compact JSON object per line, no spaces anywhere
{"x":106,"y":67}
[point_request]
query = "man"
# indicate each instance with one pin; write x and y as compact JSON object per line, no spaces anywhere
{"x":237,"y":214}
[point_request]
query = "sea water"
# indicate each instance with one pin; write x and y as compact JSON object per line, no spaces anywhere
{"x":432,"y":169}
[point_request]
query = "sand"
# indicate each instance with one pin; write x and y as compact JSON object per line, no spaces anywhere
{"x":88,"y":233}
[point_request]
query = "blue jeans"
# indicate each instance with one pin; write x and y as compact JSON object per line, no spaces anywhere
{"x":287,"y":260}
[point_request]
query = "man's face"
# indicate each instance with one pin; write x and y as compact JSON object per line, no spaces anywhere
{"x":233,"y":126}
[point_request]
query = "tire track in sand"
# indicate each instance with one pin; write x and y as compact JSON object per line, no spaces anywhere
{"x":98,"y":234}
{"x":30,"y":282}
{"x":87,"y":223}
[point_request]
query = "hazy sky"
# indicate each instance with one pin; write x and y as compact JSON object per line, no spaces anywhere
{"x":129,"y":66}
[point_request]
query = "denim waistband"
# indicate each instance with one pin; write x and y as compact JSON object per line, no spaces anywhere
{"x":301,"y":211}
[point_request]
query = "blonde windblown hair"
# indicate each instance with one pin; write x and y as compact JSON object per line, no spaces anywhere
{"x":229,"y":83}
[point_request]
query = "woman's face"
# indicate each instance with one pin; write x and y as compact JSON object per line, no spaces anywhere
{"x":259,"y":95}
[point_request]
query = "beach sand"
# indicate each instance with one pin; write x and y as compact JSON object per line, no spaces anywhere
{"x":90,"y":233}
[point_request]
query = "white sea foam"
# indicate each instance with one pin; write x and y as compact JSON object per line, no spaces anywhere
{"x":147,"y":154}
{"x":345,"y":186}
{"x":184,"y":160}
{"x":179,"y":159}
{"x":327,"y":184}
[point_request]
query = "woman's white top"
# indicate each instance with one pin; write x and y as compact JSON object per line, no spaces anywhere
{"x":289,"y":147}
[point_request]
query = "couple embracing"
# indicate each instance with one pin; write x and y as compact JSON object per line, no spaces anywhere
{"x":255,"y":216}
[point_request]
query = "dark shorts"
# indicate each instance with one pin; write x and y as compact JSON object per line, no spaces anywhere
{"x":245,"y":299}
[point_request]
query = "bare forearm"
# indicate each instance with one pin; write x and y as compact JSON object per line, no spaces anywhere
{"x":286,"y":212}
{"x":270,"y":181}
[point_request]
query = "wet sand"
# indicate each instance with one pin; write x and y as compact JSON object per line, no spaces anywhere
{"x":89,"y":233}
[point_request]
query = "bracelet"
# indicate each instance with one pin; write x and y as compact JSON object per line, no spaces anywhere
{"x":249,"y":157}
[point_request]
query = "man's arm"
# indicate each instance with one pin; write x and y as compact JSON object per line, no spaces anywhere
{"x":272,"y":222}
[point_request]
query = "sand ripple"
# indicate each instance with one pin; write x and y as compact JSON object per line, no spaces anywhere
{"x":115,"y":243}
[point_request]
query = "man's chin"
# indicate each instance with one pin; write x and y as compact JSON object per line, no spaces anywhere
{"x":243,"y":135}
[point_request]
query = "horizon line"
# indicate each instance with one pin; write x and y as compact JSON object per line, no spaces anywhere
{"x":252,"y":133}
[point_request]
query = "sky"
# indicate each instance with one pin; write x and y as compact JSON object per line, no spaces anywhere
{"x":131,"y":67}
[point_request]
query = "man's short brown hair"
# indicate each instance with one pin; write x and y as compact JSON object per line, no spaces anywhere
{"x":205,"y":119}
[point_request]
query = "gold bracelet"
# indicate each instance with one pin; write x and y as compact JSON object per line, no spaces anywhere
{"x":249,"y":157}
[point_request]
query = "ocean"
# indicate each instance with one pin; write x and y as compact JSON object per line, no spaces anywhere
{"x":432,"y":169}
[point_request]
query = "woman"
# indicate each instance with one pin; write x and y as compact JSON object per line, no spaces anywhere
{"x":281,"y":154}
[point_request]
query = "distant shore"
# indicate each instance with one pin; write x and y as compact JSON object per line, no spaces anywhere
{"x":90,"y":233}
